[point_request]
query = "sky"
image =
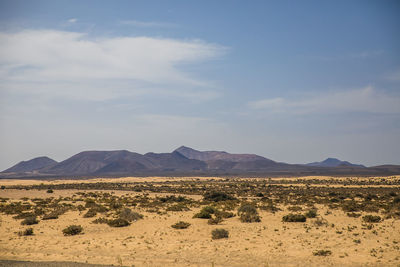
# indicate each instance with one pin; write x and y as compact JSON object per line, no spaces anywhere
{"x":294,"y":81}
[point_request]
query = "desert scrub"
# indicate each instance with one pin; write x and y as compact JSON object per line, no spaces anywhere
{"x":224,"y":214}
{"x":26,"y":232}
{"x":294,"y":218}
{"x":100,"y":220}
{"x":372,"y":218}
{"x":178,"y":207}
{"x":322,"y":252}
{"x":219,"y":233}
{"x":311,"y":213}
{"x":90,"y":213}
{"x":217,"y":196}
{"x":119,"y":222}
{"x":72,"y":230}
{"x":49,"y":191}
{"x":50,"y":216}
{"x":129,"y":215}
{"x":353,"y":214}
{"x":216,"y":220}
{"x":30,"y":220}
{"x":248,"y":213}
{"x":180,"y":225}
{"x":205,"y":213}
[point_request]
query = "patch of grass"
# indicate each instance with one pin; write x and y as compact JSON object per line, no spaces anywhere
{"x":294,"y":218}
{"x":180,"y":225}
{"x":72,"y":230}
{"x":219,"y":233}
{"x":372,"y":218}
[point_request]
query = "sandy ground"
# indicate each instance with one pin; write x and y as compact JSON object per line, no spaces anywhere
{"x":152,"y":241}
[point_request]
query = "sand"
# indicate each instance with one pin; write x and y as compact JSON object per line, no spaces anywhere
{"x":152,"y":241}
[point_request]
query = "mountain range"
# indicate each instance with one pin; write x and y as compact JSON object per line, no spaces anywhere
{"x":182,"y":161}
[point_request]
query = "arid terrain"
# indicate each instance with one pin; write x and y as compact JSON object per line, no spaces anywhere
{"x":205,"y":221}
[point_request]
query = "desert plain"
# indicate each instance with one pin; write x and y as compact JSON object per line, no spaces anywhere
{"x":172,"y":221}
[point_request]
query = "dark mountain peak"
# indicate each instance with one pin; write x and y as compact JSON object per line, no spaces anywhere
{"x":32,"y":165}
{"x":334,"y":162}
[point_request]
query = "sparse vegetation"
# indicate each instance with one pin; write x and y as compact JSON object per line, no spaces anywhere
{"x":294,"y":218}
{"x":322,"y":252}
{"x":30,"y":220}
{"x":119,"y":222}
{"x":72,"y":230}
{"x":219,"y":233}
{"x":180,"y":225}
{"x":372,"y":218}
{"x":26,"y":232}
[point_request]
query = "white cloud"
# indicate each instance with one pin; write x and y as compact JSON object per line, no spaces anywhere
{"x":366,"y":99}
{"x":72,"y":20}
{"x":72,"y":64}
{"x":148,"y":24}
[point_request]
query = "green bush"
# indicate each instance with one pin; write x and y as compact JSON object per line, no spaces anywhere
{"x":30,"y":221}
{"x":180,"y":225}
{"x":219,"y":233}
{"x":372,"y":218}
{"x":50,"y":191}
{"x":119,"y":222}
{"x":72,"y":230}
{"x":294,"y":218}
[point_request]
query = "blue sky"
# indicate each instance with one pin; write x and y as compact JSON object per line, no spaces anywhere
{"x":292,"y":81}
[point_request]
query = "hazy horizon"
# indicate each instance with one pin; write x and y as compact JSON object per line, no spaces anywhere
{"x":295,"y":82}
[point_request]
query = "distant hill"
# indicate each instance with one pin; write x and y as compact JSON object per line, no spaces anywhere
{"x":183,"y":161}
{"x":190,"y":153}
{"x":333,"y":162}
{"x":32,"y":165}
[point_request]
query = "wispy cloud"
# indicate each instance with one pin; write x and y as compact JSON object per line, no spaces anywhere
{"x":148,"y":24}
{"x":70,"y":64}
{"x":72,"y":20}
{"x":393,"y":76}
{"x":366,"y":99}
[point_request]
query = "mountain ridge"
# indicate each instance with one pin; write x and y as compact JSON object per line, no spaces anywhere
{"x":180,"y":162}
